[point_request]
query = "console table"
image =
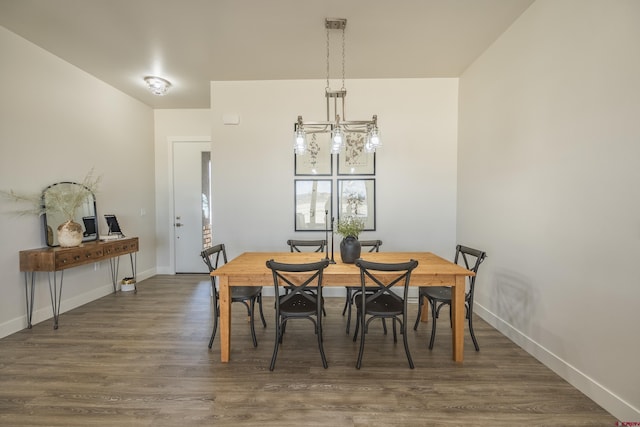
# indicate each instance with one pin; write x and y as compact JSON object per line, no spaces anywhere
{"x":58,"y":259}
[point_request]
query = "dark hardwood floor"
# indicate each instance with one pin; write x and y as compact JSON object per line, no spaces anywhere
{"x":142,"y":360}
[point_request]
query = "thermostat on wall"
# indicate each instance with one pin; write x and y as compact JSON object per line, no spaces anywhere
{"x":230,"y":119}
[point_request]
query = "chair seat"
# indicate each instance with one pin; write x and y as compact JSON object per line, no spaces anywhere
{"x":352,"y":292}
{"x":436,"y":292}
{"x":384,"y":305}
{"x":298,"y":305}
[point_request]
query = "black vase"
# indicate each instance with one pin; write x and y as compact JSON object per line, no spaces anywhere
{"x":350,"y":249}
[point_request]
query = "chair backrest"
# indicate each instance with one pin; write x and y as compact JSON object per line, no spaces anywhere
{"x":309,"y":245}
{"x":373,"y":245}
{"x":211,"y":256}
{"x":376,"y":273}
{"x":471,"y":259}
{"x":302,"y":284}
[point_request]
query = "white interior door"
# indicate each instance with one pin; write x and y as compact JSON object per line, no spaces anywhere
{"x":191,"y":207}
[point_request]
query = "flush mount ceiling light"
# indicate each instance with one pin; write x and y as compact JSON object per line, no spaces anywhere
{"x":157,"y":85}
{"x":336,"y":123}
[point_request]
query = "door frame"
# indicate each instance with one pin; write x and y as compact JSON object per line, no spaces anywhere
{"x":171,"y":219}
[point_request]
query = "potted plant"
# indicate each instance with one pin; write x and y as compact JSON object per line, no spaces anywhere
{"x":61,"y":200}
{"x":350,"y":228}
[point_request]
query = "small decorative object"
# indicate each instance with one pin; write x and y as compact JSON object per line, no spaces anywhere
{"x":350,"y":228}
{"x":69,"y":234}
{"x":128,"y":284}
{"x":61,"y":200}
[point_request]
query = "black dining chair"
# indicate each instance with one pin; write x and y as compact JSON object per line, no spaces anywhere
{"x":384,"y":302}
{"x":297,"y":302}
{"x":439,"y":296}
{"x":373,"y":246}
{"x":300,"y":245}
{"x":247,"y":295}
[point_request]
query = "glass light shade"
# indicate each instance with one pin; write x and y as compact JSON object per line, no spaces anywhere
{"x":373,"y":140}
{"x":157,"y":85}
{"x":337,"y":140}
{"x":300,"y":141}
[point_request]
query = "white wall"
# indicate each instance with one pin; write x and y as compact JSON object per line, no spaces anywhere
{"x":253,"y":175}
{"x":56,"y":123}
{"x":172,"y":125}
{"x":548,"y":171}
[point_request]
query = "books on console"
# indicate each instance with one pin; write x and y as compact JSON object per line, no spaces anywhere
{"x":111,"y":236}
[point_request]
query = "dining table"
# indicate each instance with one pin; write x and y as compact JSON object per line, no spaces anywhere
{"x":249,"y":269}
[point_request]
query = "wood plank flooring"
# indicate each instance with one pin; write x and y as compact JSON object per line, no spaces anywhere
{"x":142,"y":360}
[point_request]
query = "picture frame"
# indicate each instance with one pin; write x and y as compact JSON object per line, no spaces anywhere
{"x":317,"y":160}
{"x":357,"y":197}
{"x":354,"y":160}
{"x":313,"y":200}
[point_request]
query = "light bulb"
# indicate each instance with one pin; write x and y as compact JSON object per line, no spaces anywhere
{"x":375,"y":137}
{"x":368,"y":147}
{"x":338,"y":138}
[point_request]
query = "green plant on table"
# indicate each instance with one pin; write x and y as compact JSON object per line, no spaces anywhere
{"x":350,"y":226}
{"x":63,"y":200}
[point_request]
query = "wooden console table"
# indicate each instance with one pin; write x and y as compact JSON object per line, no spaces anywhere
{"x":57,"y":259}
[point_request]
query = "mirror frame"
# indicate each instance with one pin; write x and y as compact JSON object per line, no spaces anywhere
{"x":52,"y":221}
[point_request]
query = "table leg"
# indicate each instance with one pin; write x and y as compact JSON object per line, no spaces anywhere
{"x":424,"y":315}
{"x":56,"y":295}
{"x":133,"y":256}
{"x":457,"y":305}
{"x":225,"y":318}
{"x":32,"y":276}
{"x":114,"y":265}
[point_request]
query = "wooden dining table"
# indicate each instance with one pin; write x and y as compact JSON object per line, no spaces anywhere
{"x":249,"y":269}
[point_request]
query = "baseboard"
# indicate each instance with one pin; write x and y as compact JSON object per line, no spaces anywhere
{"x":143,"y":275}
{"x":604,"y":397}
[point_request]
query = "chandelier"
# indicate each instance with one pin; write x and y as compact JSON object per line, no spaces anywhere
{"x":336,"y":123}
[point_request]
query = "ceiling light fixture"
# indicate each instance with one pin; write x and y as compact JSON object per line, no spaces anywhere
{"x":157,"y":85}
{"x":336,"y":124}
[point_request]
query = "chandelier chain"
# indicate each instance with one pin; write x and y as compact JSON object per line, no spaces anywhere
{"x":328,"y":87}
{"x":343,"y":60}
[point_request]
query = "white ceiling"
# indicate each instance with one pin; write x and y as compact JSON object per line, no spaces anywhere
{"x":192,"y":42}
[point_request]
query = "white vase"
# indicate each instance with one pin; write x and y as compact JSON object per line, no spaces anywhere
{"x":69,"y":234}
